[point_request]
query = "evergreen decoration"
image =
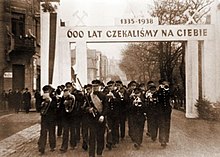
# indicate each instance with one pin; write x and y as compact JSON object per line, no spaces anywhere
{"x":208,"y":110}
{"x":48,"y":7}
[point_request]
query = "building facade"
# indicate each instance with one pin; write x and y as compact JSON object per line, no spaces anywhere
{"x":20,"y":44}
{"x":97,"y":65}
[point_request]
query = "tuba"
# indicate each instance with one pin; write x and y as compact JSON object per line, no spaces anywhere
{"x":69,"y":102}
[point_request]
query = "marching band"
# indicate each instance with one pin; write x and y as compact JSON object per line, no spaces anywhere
{"x":101,"y":115}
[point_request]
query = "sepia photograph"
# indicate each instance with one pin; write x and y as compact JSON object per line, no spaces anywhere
{"x":110,"y":78}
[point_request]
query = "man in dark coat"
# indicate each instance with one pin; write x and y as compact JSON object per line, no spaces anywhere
{"x":123,"y":105}
{"x":97,"y":109}
{"x":164,"y":112}
{"x":48,"y":119}
{"x":26,"y":99}
{"x":37,"y":97}
{"x":137,"y":109}
{"x":71,"y":114}
{"x":131,"y":86}
{"x":152,"y":111}
{"x":85,"y":116}
{"x":10,"y":99}
{"x":17,"y":98}
{"x":113,"y":101}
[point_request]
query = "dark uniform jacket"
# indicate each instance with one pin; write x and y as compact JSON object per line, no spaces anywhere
{"x":137,"y":108}
{"x":76,"y":111}
{"x":50,"y":113}
{"x":90,"y":104}
{"x":152,"y":103}
{"x":164,"y":100}
{"x":113,"y":104}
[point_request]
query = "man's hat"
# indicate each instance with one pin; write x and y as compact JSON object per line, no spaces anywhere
{"x":149,"y":82}
{"x":96,"y":82}
{"x":161,"y":81}
{"x":166,"y":83}
{"x":109,"y":83}
{"x":118,"y":82}
{"x":132,"y":83}
{"x":89,"y":86}
{"x":46,"y":88}
{"x":151,"y":85}
{"x":69,"y":83}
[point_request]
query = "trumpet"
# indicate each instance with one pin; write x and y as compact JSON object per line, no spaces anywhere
{"x":137,"y":102}
{"x":69,"y":103}
{"x":110,"y":96}
{"x":165,"y":86}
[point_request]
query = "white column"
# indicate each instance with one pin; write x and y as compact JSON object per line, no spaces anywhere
{"x":192,"y":78}
{"x":62,"y":65}
{"x":209,"y":71}
{"x":44,"y":52}
{"x":81,"y":61}
{"x":215,"y":20}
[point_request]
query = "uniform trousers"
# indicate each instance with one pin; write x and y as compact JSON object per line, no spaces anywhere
{"x":69,"y":127}
{"x":47,"y":126}
{"x":113,"y":124}
{"x":130,"y":126}
{"x":122,"y":120}
{"x":96,"y":137}
{"x":138,"y":121}
{"x":85,"y":129}
{"x":78,"y":120}
{"x":164,"y":126}
{"x":153,"y":124}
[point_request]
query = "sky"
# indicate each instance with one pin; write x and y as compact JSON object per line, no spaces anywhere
{"x":102,"y":13}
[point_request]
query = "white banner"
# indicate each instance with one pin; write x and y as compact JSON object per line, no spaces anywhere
{"x":135,"y":33}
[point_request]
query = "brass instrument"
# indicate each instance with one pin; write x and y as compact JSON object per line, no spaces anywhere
{"x":45,"y":106}
{"x":137,"y":102}
{"x":110,"y":96}
{"x":121,"y":96}
{"x":69,"y":102}
{"x":164,"y":86}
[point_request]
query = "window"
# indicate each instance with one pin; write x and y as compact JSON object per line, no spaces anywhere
{"x":18,"y":24}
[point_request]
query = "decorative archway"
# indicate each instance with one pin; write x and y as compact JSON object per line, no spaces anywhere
{"x":208,"y":36}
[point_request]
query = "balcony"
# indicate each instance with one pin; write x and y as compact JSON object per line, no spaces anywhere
{"x":20,"y":48}
{"x":24,"y":45}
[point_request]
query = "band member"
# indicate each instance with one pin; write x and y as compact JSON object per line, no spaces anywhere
{"x":137,"y":111}
{"x":149,"y":83}
{"x":131,"y":86}
{"x":164,"y":113}
{"x":77,"y":112}
{"x":152,"y":111}
{"x":97,"y":109}
{"x":48,"y":119}
{"x":123,"y":103}
{"x":68,"y":121}
{"x":85,"y":116}
{"x":113,"y":101}
{"x":59,"y":94}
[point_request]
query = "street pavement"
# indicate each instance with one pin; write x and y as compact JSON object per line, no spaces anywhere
{"x":188,"y":138}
